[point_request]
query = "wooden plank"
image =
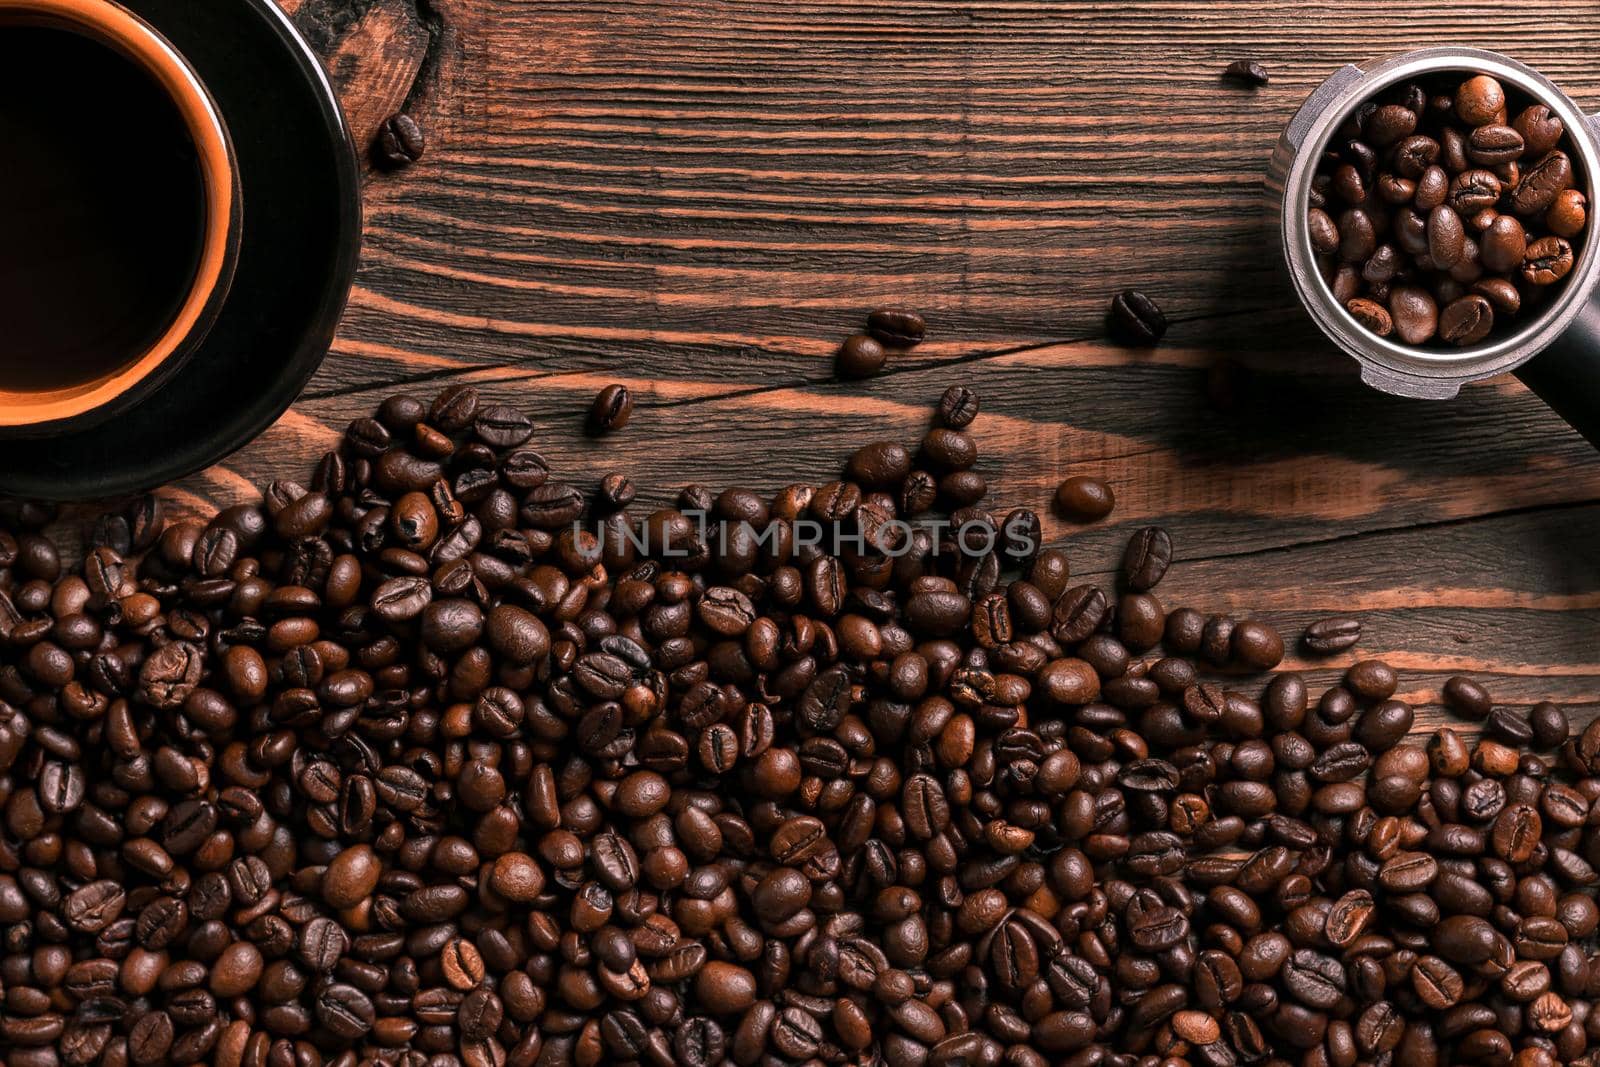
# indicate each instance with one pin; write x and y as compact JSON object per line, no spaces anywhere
{"x":374,"y":50}
{"x":1513,"y":601}
{"x":1291,"y":459}
{"x":700,"y":199}
{"x":694,"y":185}
{"x":1427,"y":529}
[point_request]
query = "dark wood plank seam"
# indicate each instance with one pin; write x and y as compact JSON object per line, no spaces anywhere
{"x":431,"y":20}
{"x":1354,"y":535}
{"x":778,"y":387}
{"x":430,"y":376}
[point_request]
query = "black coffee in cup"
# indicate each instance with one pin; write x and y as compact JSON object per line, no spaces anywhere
{"x":102,"y":209}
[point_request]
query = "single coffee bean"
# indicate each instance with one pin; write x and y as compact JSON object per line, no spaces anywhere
{"x":321,"y":943}
{"x":1078,"y":613}
{"x":1388,"y":124}
{"x":95,"y":906}
{"x":461,"y":964}
{"x":1503,"y":244}
{"x":150,"y":1038}
{"x":1546,"y":261}
{"x":1358,"y":237}
{"x":1246,"y":72}
{"x":1568,"y":213}
{"x":1384,"y":264}
{"x":1257,"y":645}
{"x":237,"y":970}
{"x":351,"y":877}
{"x":1494,"y":144}
{"x":1410,"y":230}
{"x":1148,"y":555}
{"x":1372,"y":315}
{"x":502,"y":427}
{"x":1502,"y":295}
{"x":861,"y":356}
{"x":400,"y":599}
{"x":1084,"y":499}
{"x":479,"y":1015}
{"x":1550,"y":725}
{"x":612,"y":408}
{"x":1474,"y":190}
{"x":1431,"y":190}
{"x":1415,"y":154}
{"x":1539,"y":127}
{"x":399,"y":142}
{"x":1466,"y":321}
{"x":1347,"y":280}
{"x":1480,"y":100}
{"x":897,"y":327}
{"x":1414,"y":312}
{"x":1397,"y":190}
{"x":1324,"y":232}
{"x":1467,"y":698}
{"x":958,"y":407}
{"x":1446,"y":236}
{"x":725,"y":988}
{"x":1332,"y":635}
{"x":1136,"y":320}
{"x":1543,"y":182}
{"x":346,"y":1011}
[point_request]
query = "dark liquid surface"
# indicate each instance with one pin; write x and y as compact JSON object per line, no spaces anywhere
{"x":102,"y":209}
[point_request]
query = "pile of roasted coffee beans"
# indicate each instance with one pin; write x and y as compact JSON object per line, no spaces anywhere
{"x":1444,"y":212}
{"x":423,"y":762}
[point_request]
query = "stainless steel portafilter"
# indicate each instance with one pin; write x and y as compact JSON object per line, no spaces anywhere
{"x":1564,"y":336}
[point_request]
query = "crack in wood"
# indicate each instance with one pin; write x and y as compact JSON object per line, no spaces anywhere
{"x":778,"y":387}
{"x":1358,"y":535}
{"x":325,"y":24}
{"x":431,"y":20}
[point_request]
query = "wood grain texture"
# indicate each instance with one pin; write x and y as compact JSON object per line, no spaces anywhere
{"x":700,"y":199}
{"x":375,"y":51}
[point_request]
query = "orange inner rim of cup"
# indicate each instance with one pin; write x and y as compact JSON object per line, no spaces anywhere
{"x":118,"y":28}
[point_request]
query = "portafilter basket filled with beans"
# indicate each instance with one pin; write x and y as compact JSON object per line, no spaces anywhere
{"x":1432,"y":210}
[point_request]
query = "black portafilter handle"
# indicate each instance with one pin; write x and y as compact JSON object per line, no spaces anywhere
{"x":1567,"y":374}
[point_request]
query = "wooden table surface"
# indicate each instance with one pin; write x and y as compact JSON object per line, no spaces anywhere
{"x":701,"y":199}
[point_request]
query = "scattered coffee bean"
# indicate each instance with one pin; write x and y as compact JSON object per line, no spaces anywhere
{"x":958,"y":407}
{"x":1327,"y":637}
{"x":1084,"y":499}
{"x":1246,"y":72}
{"x":611,"y":410}
{"x":1136,"y":320}
{"x":1147,"y":558}
{"x":861,"y":356}
{"x":399,"y":142}
{"x":897,"y":327}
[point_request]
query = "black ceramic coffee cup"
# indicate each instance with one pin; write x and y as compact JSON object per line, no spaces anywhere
{"x":124,"y":263}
